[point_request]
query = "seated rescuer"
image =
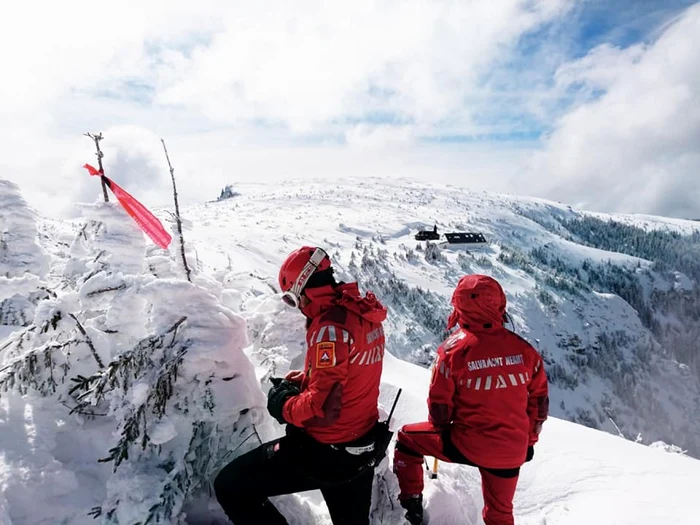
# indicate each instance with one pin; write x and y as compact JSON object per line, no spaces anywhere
{"x":330,"y":407}
{"x":487,"y":402}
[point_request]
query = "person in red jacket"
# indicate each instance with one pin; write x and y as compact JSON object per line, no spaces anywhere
{"x":487,"y":402}
{"x":330,"y":408}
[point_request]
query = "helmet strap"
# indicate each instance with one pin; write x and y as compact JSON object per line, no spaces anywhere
{"x":309,"y":268}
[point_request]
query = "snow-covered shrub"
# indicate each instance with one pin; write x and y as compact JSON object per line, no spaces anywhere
{"x":432,"y":252}
{"x":547,"y":299}
{"x":151,"y":368}
{"x":515,"y":258}
{"x":22,"y":262}
{"x":19,"y":251}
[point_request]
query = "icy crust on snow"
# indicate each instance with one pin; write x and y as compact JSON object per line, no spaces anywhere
{"x":189,"y":387}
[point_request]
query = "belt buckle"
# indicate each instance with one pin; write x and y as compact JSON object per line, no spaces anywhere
{"x":358,"y":451}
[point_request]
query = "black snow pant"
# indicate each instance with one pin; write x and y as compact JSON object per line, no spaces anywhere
{"x":295,"y":463}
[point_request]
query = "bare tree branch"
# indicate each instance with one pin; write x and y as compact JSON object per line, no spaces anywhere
{"x":178,"y":220}
{"x":78,"y":410}
{"x":108,"y":289}
{"x":27,"y":330}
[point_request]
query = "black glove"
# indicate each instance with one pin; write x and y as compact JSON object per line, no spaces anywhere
{"x":530,"y":453}
{"x":278,"y":394}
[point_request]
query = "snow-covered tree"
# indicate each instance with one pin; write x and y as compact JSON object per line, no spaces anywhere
{"x":23,"y":263}
{"x":149,"y":366}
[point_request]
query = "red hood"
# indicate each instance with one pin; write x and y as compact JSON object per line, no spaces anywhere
{"x":479,"y":303}
{"x":346,"y":295}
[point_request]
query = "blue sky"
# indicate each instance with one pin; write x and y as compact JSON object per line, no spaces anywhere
{"x":624,"y":22}
{"x":619,"y":23}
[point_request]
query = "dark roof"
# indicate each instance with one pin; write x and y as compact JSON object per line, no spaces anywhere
{"x":465,"y":238}
{"x":427,"y":235}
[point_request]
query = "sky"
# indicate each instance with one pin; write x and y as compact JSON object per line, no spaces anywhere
{"x":589,"y":102}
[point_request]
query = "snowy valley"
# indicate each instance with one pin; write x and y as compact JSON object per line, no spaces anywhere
{"x":109,"y":354}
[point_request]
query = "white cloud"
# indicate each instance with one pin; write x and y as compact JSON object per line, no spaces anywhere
{"x":305,"y":67}
{"x":204,"y":163}
{"x":380,"y":136}
{"x":262,"y":81}
{"x":599,"y":69}
{"x":636,"y":148}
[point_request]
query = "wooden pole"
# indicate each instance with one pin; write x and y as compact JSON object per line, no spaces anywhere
{"x":97,"y":138}
{"x":434,"y":472}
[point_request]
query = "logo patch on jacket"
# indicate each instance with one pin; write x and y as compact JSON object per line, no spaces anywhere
{"x":325,"y":355}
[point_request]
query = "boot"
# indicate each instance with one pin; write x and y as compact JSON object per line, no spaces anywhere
{"x":414,"y":508}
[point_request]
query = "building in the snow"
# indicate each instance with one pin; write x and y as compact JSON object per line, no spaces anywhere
{"x":428,"y":235}
{"x":471,"y":238}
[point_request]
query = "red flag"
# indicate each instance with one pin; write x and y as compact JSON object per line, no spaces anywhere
{"x":148,"y":222}
{"x":92,"y":170}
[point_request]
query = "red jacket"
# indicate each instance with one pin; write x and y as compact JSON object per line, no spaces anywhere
{"x":490,"y":386}
{"x":345,"y":341}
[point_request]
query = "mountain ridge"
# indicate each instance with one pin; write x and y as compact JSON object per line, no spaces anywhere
{"x":601,"y":318}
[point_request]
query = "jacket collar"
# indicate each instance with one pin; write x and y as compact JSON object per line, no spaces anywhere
{"x":326,"y":297}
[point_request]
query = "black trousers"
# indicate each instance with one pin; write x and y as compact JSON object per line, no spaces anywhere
{"x":295,"y":463}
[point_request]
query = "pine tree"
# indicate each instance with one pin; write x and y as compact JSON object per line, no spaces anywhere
{"x":117,"y":344}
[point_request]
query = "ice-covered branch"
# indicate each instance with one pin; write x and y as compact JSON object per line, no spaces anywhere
{"x":178,"y":220}
{"x":88,"y":341}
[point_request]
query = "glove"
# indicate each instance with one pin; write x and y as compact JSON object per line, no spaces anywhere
{"x":530,"y":453}
{"x":278,"y":395}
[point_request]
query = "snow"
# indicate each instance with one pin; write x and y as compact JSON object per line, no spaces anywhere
{"x":682,"y":282}
{"x":248,"y":237}
{"x":108,"y":309}
{"x":6,"y":332}
{"x":578,"y":476}
{"x":163,"y":432}
{"x":19,"y":251}
{"x":651,"y":222}
{"x":139,"y":393}
{"x":238,"y":333}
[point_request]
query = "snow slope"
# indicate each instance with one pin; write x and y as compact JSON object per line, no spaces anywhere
{"x":125,"y":290}
{"x":579,"y":476}
{"x":609,"y":370}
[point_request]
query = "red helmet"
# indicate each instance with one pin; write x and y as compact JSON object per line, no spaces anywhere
{"x":479,"y":302}
{"x":296,"y":270}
